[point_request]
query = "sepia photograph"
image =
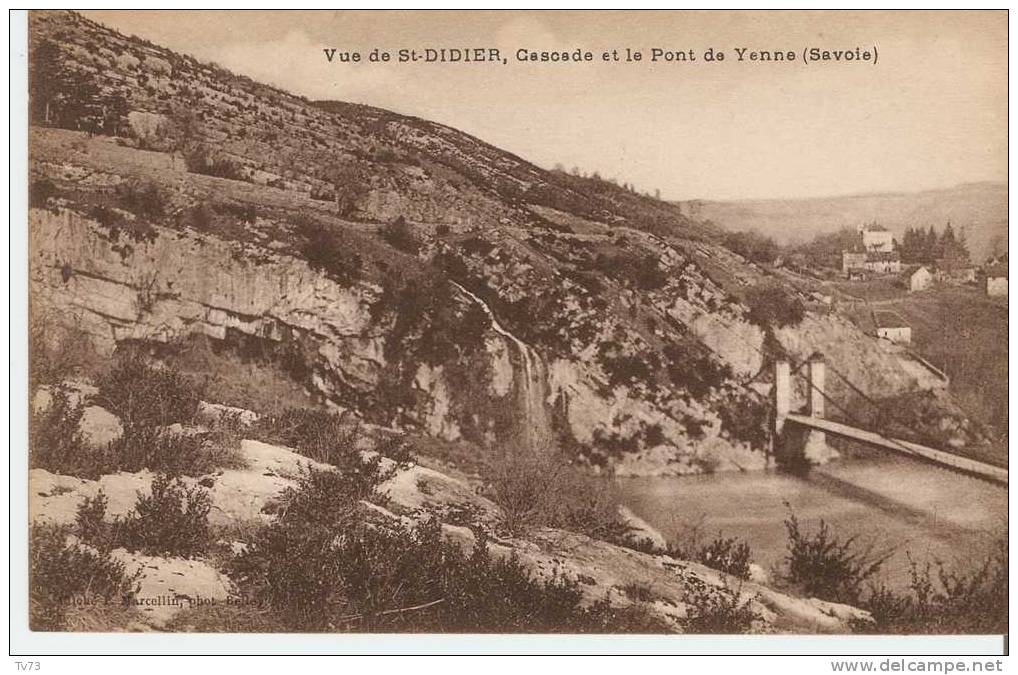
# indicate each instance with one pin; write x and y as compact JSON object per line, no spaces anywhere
{"x":665,"y":323}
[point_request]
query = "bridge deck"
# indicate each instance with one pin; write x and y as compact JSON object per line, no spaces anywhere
{"x":987,"y":471}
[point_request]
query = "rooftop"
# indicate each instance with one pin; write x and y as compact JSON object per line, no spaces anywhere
{"x":888,"y":319}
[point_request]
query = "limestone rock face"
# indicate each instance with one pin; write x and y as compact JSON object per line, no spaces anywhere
{"x":179,"y":284}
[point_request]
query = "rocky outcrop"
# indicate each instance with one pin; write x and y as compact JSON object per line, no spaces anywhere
{"x":169,"y":585}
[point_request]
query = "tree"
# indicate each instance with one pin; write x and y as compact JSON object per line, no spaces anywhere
{"x":45,"y":75}
{"x":63,"y":96}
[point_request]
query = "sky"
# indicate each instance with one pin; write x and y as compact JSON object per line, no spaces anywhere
{"x":931,"y":113}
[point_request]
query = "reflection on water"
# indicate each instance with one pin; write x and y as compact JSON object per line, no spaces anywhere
{"x":888,"y":501}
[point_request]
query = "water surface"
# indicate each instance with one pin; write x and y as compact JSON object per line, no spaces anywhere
{"x":890,"y":502}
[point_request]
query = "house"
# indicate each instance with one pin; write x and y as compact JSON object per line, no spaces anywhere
{"x":996,"y":280}
{"x":919,"y":280}
{"x":892,"y":326}
{"x":955,"y":269}
{"x":877,"y":239}
{"x":879,"y":262}
{"x":852,"y":260}
{"x":883,"y":262}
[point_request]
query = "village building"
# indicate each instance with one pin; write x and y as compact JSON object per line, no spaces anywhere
{"x":877,"y":239}
{"x":852,"y":260}
{"x":919,"y":280}
{"x":955,"y":269}
{"x":874,"y":252}
{"x":996,"y":280}
{"x":883,"y":262}
{"x":892,"y":326}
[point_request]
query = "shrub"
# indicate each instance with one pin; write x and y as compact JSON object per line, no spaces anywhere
{"x":117,"y":224}
{"x":144,"y":396}
{"x":715,"y":610}
{"x":324,"y":437}
{"x":143,"y":198}
{"x":200,"y":159}
{"x":56,"y":352}
{"x":170,"y":452}
{"x":639,"y":271}
{"x":948,"y":602}
{"x":326,"y":251}
{"x":60,"y":574}
{"x":40,"y":191}
{"x":744,"y":416}
{"x":57,"y":445}
{"x":399,"y":235}
{"x":246,"y":213}
{"x":728,"y":555}
{"x":691,"y":367}
{"x":90,"y":523}
{"x":773,"y":305}
{"x":826,"y":566}
{"x":752,"y":246}
{"x":56,"y":441}
{"x":171,"y":520}
{"x":536,"y":489}
{"x":322,"y":566}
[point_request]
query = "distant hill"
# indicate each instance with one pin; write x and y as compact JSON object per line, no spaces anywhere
{"x":980,"y":207}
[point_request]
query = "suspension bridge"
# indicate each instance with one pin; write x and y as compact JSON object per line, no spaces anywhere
{"x":798,"y":432}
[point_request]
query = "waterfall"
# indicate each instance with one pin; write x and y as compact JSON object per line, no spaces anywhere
{"x":535,"y":424}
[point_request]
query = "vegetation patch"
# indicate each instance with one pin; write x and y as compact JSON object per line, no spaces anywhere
{"x":171,"y":520}
{"x":538,"y":489}
{"x":62,"y":575}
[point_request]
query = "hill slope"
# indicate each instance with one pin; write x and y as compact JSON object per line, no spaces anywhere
{"x":980,"y":207}
{"x":400,"y":269}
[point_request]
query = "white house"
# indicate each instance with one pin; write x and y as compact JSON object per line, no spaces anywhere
{"x":876,"y":239}
{"x":996,"y":280}
{"x":919,"y":280}
{"x":892,"y":326}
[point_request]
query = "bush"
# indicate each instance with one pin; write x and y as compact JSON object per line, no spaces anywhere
{"x":246,"y":213}
{"x":57,"y":352}
{"x":691,"y":367}
{"x":728,"y":555}
{"x":715,"y":610}
{"x":324,"y":437}
{"x":399,"y":235}
{"x":752,"y":246}
{"x":170,"y":452}
{"x":322,"y":566}
{"x":200,"y":159}
{"x":57,"y":445}
{"x":117,"y":224}
{"x":536,"y":489}
{"x":828,"y":567}
{"x":143,"y":198}
{"x":639,"y":271}
{"x":144,"y":396}
{"x":60,"y":574}
{"x":773,"y":305}
{"x":326,"y":251}
{"x":40,"y":191}
{"x":172,"y":520}
{"x":948,"y":602}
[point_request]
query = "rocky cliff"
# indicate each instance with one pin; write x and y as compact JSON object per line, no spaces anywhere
{"x":400,"y":269}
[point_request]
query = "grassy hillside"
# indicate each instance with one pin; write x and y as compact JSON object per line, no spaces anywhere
{"x":980,"y":207}
{"x":964,"y":333}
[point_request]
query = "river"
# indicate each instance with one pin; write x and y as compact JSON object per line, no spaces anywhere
{"x":888,"y":501}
